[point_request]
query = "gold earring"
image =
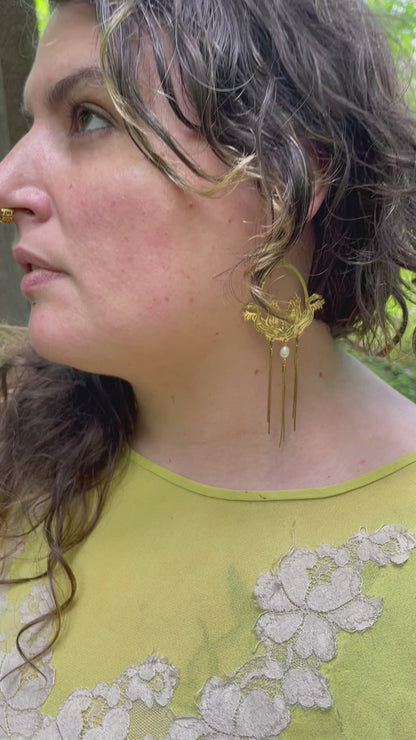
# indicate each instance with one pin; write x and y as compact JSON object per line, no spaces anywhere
{"x":284,"y":325}
{"x":6,"y":215}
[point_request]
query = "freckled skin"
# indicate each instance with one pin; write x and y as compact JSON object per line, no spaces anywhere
{"x":134,"y":247}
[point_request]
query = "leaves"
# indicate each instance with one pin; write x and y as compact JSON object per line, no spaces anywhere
{"x":399,"y":20}
{"x":42,"y":12}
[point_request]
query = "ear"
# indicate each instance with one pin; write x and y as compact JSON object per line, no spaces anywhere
{"x":320,"y":190}
{"x":320,"y":186}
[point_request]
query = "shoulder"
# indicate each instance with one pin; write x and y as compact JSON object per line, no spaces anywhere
{"x":381,"y":420}
{"x":364,"y":424}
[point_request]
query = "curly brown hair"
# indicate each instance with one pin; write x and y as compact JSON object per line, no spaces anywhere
{"x":268,"y":82}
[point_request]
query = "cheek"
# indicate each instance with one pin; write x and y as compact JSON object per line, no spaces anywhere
{"x":128,"y":253}
{"x":140,"y":243}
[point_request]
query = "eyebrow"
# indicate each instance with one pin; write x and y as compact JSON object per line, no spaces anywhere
{"x":63,"y":87}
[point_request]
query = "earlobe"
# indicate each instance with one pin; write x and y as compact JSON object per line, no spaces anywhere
{"x":320,"y":191}
{"x":317,"y":163}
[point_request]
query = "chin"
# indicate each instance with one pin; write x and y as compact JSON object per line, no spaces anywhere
{"x":57,"y":343}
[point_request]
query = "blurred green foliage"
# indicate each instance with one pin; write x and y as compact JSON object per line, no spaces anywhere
{"x":42,"y":13}
{"x":400,"y":374}
{"x":399,"y":20}
{"x":399,"y":369}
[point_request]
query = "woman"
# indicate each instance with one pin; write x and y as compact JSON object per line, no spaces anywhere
{"x":209,"y":508}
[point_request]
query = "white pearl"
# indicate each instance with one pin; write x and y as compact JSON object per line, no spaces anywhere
{"x":284,"y":352}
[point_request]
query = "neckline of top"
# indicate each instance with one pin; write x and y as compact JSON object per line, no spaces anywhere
{"x":335,"y":489}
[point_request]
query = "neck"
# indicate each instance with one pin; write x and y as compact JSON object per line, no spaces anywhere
{"x":210,"y":425}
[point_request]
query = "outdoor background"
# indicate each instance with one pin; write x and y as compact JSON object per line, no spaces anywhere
{"x":23,"y":20}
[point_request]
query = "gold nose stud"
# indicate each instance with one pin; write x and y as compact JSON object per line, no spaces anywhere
{"x":6,"y":215}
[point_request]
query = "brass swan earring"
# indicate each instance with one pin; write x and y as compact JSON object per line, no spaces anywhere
{"x":283,"y":325}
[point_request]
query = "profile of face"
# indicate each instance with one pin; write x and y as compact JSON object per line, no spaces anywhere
{"x":133,"y":259}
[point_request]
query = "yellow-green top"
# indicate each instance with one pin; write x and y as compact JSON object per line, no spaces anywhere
{"x":209,"y":613}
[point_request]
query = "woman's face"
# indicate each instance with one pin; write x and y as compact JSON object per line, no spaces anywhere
{"x":133,"y":260}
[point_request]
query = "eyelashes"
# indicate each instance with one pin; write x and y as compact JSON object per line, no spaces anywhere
{"x":87,"y":118}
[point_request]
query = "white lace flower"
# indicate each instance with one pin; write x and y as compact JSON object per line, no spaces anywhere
{"x":18,"y":725}
{"x":387,"y":544}
{"x":83,"y":715}
{"x":110,"y":694}
{"x":39,"y":601}
{"x":48,"y":731}
{"x":307,"y":688}
{"x":115,"y":726}
{"x":24,"y":688}
{"x":17,"y":549}
{"x":3,"y":598}
{"x":304,"y":603}
{"x":227,"y":713}
{"x":190,"y":728}
{"x":339,"y":555}
{"x":308,"y":610}
{"x":153,"y":682}
{"x":268,"y":668}
{"x":22,"y":692}
{"x":284,"y":590}
{"x":70,"y":719}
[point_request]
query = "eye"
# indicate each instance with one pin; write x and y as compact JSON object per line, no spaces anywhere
{"x":85,"y":120}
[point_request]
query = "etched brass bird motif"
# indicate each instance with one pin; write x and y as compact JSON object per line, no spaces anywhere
{"x":284,"y":324}
{"x":288,"y":323}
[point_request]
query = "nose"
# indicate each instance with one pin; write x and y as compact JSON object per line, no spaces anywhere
{"x":22,"y":184}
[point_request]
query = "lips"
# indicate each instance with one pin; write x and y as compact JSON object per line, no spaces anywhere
{"x":30,"y":261}
{"x":38,"y":271}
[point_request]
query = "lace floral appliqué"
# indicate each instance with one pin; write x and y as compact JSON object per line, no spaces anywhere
{"x":305,"y":602}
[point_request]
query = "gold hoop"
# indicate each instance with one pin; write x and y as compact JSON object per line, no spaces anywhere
{"x":283,"y":325}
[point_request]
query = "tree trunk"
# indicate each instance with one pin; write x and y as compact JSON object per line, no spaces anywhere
{"x":18,"y":38}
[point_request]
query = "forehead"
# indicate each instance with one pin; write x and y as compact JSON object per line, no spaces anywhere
{"x":70,"y":46}
{"x":70,"y":40}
